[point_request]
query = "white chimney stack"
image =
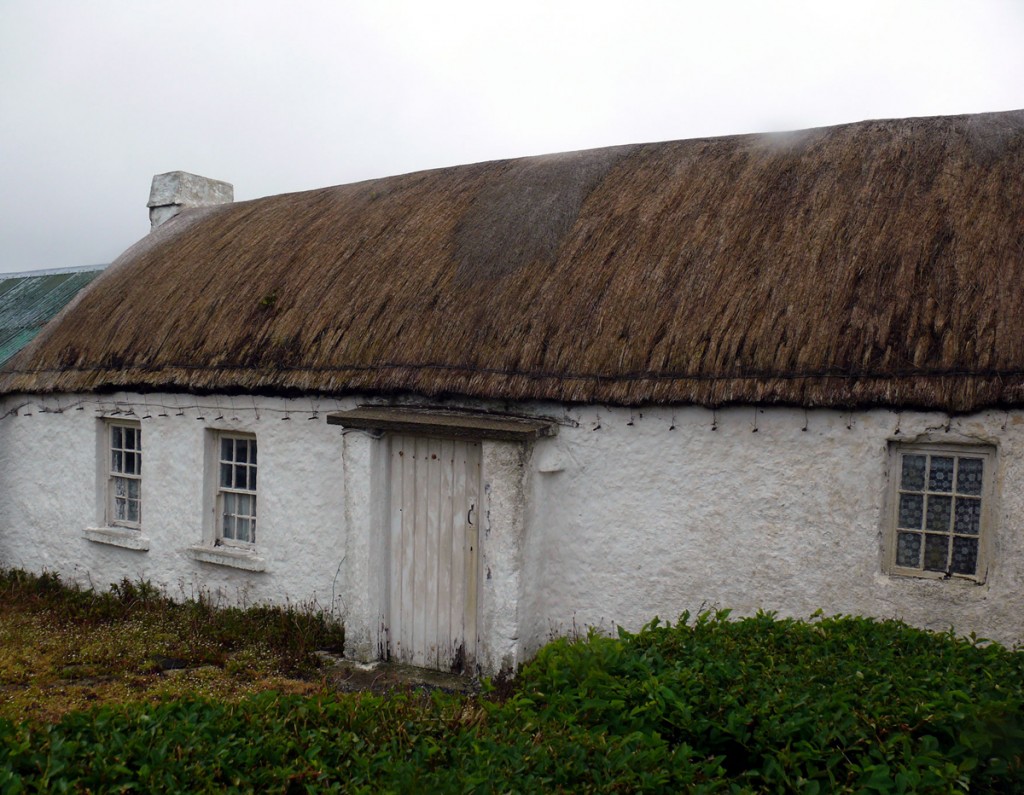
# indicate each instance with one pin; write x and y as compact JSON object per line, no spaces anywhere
{"x":178,"y":190}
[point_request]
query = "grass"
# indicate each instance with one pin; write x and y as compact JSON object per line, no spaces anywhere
{"x":64,"y":649}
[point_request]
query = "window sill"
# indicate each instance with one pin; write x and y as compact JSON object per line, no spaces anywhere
{"x":935,"y":576}
{"x":118,"y":537}
{"x":223,"y":556}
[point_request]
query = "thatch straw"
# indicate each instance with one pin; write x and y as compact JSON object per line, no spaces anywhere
{"x":871,"y":264}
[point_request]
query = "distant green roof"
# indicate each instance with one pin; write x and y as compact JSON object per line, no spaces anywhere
{"x":29,"y":300}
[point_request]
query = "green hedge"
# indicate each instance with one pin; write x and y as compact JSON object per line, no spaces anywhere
{"x":755,"y":705}
{"x":781,"y":705}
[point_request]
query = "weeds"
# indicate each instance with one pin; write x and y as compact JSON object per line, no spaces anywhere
{"x":63,"y":647}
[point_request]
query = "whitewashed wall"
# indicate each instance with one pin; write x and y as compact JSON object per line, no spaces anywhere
{"x":778,"y":509}
{"x":319,"y":507}
{"x":622,"y":516}
{"x":50,"y":495}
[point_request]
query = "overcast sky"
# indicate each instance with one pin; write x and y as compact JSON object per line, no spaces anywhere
{"x":96,"y":97}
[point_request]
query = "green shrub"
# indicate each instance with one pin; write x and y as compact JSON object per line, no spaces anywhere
{"x":756,"y":705}
{"x":709,"y":706}
{"x":838,"y":704}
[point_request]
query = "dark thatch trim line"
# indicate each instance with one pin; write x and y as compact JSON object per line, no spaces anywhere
{"x":644,"y":375}
{"x":869,"y":264}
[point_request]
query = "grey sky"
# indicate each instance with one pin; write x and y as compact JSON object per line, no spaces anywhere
{"x":97,"y":97}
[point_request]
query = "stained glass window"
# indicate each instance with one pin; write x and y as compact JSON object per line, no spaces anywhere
{"x":939,"y":510}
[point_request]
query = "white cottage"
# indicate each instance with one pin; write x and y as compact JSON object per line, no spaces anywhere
{"x":471,"y":408}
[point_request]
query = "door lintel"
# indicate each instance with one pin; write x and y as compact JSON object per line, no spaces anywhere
{"x":441,"y":422}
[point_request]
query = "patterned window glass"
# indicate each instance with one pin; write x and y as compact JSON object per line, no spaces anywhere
{"x":124,"y":481}
{"x":913,"y":472}
{"x":237,"y":489}
{"x":939,"y":511}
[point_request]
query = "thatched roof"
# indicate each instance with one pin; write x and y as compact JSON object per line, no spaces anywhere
{"x":878,"y":263}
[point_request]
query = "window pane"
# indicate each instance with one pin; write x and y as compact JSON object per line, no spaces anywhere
{"x":965,"y":555}
{"x":252,"y":478}
{"x":243,"y":530}
{"x":912,"y":478}
{"x":241,"y":451}
{"x":120,"y":508}
{"x":245,"y":504}
{"x":940,"y":476}
{"x":908,"y":550}
{"x":241,"y":480}
{"x":939,"y":510}
{"x":115,"y":436}
{"x":252,"y":451}
{"x":116,"y":463}
{"x":968,"y":516}
{"x":936,"y":552}
{"x":225,"y":449}
{"x":911,"y":511}
{"x":129,"y":464}
{"x":133,"y":489}
{"x":969,"y":474}
{"x":133,"y":510}
{"x":120,"y":487}
{"x":225,"y":475}
{"x":228,"y":526}
{"x":129,"y":438}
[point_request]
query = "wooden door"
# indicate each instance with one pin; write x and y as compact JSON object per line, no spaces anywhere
{"x":434,"y":520}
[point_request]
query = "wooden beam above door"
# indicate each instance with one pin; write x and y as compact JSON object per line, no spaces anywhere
{"x":441,"y":422}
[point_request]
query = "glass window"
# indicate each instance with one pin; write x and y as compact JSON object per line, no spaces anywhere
{"x":236,"y":490}
{"x":124,"y":475}
{"x":939,"y":510}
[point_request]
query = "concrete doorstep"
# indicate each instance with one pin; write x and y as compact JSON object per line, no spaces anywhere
{"x":351,"y":676}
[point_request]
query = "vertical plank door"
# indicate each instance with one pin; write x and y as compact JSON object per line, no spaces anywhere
{"x":434,"y":520}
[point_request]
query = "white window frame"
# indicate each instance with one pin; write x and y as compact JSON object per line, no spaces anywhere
{"x":986,"y":516}
{"x":241,"y":474}
{"x":118,"y":469}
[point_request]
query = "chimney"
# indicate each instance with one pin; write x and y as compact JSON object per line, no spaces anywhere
{"x":178,"y":190}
